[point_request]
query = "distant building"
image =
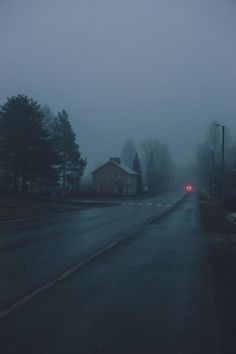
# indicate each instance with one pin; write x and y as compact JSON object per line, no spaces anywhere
{"x":114,"y":178}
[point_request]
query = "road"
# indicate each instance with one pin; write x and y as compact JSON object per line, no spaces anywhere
{"x":35,"y":251}
{"x":150,"y":294}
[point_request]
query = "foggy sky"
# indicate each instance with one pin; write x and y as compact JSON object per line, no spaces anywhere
{"x":124,"y":68}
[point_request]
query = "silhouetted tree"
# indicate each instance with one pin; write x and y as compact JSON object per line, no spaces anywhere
{"x":137,"y":168}
{"x":158,"y":165}
{"x":48,"y":117}
{"x":147,"y":147}
{"x":26,"y":149}
{"x":151,"y":172}
{"x":209,"y":155}
{"x":166,"y":167}
{"x":128,"y":153}
{"x":72,"y":165}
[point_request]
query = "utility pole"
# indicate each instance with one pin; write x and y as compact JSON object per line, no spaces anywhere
{"x":64,"y":164}
{"x":211,"y":172}
{"x":223,"y":153}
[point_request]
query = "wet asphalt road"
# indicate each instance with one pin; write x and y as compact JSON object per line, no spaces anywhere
{"x":149,"y":295}
{"x":37,"y":250}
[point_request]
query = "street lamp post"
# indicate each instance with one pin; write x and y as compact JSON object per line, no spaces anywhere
{"x":211,"y":171}
{"x":222,"y":161}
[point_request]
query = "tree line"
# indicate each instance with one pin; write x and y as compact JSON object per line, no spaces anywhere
{"x":38,"y":151}
{"x":155,"y":168}
{"x":208,"y":156}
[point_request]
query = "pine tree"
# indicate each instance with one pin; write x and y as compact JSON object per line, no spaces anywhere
{"x":26,"y":151}
{"x":71,"y":166}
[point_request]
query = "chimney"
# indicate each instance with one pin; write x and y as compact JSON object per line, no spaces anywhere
{"x":115,"y":159}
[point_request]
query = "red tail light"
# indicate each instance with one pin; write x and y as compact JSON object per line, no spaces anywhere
{"x":188,"y":188}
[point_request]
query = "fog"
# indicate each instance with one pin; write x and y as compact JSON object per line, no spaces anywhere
{"x":124,"y":69}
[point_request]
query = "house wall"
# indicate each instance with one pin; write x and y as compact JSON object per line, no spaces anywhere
{"x":132,"y":190}
{"x":111,"y":180}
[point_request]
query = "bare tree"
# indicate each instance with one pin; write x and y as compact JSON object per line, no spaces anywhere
{"x":128,"y":153}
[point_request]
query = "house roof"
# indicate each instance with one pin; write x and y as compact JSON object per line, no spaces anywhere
{"x":120,"y":165}
{"x":125,"y":168}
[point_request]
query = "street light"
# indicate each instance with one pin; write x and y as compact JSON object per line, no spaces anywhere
{"x":222,"y":159}
{"x":222,"y":149}
{"x":211,"y":171}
